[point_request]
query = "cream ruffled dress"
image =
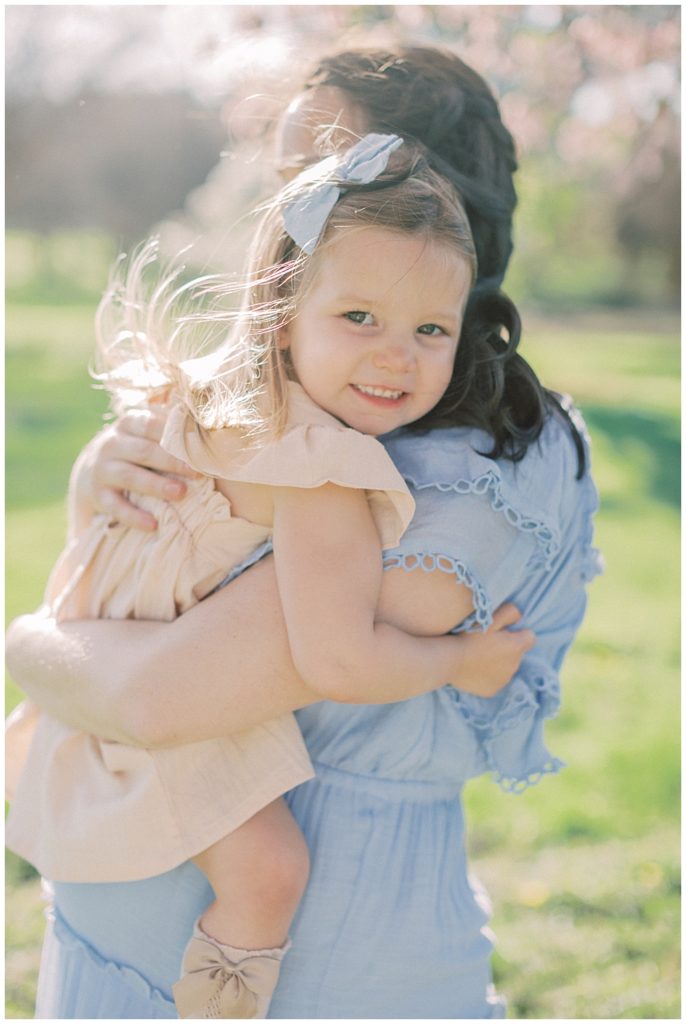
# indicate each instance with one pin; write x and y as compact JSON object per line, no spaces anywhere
{"x":90,"y":810}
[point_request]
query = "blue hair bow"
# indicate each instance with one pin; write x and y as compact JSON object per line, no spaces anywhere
{"x":305,"y":216}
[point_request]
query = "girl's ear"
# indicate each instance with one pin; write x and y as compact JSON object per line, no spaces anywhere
{"x":283,"y":337}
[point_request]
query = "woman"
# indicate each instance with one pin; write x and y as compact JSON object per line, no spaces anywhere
{"x":390,"y":925}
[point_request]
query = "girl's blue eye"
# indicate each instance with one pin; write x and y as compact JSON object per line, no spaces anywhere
{"x":433,"y":330}
{"x":358,"y":316}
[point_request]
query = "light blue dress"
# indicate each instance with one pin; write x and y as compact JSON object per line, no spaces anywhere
{"x":392,"y":924}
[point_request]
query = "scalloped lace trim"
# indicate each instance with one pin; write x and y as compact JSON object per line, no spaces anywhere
{"x":519,"y":784}
{"x":527,"y":696}
{"x":490,"y":483}
{"x":539,"y":691}
{"x":482,"y":616}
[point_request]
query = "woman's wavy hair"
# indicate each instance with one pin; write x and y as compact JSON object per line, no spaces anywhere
{"x":434,"y":97}
{"x":149,"y":336}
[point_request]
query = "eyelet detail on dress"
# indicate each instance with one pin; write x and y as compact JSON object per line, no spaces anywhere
{"x":532,"y":695}
{"x":482,"y":616}
{"x":490,"y":484}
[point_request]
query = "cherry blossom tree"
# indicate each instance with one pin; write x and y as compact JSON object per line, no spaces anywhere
{"x":590,"y":92}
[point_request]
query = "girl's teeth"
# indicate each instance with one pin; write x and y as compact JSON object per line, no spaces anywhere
{"x":379,"y":392}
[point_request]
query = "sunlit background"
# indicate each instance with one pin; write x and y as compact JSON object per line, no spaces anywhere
{"x":120,"y":117}
{"x":123,"y":120}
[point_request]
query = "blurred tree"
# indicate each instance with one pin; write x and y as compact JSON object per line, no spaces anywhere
{"x":120,"y":163}
{"x":648,"y":207}
{"x":591,"y":94}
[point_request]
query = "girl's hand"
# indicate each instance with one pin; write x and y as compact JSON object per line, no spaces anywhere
{"x":126,"y":457}
{"x":489,"y":660}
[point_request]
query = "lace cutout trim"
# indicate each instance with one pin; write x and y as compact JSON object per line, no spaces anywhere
{"x":529,"y":696}
{"x":482,"y":616}
{"x":517,"y":785}
{"x":490,"y":484}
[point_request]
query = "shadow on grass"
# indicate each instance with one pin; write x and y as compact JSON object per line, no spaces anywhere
{"x":658,"y":434}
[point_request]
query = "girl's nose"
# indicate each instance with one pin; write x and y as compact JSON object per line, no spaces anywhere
{"x":394,"y":356}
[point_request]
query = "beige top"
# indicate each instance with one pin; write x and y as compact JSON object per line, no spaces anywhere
{"x":90,"y":810}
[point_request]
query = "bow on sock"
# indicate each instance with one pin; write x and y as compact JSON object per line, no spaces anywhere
{"x":214,"y":987}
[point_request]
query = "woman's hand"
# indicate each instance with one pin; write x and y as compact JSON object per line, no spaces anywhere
{"x":126,"y":458}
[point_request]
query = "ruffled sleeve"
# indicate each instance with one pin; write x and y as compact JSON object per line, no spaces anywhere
{"x":484,"y":522}
{"x":519,"y":532}
{"x":315,"y":449}
{"x":509,"y":728}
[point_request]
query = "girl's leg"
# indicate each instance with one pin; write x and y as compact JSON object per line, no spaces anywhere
{"x":258,"y":874}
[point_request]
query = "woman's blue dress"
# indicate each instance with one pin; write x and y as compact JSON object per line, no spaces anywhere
{"x":392,"y":925}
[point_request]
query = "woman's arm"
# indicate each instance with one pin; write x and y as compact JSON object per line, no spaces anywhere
{"x":222,"y":667}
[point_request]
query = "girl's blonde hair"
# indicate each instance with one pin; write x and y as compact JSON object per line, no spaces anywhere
{"x":225,"y":363}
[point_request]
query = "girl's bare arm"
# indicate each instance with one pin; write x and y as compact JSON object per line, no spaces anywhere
{"x":329,"y":572}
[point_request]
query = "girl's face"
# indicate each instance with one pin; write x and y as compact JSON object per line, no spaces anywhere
{"x":373,"y":340}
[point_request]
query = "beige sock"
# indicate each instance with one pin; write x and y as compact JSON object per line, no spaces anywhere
{"x":223,"y":982}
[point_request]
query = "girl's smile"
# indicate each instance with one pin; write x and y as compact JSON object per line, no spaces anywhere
{"x":374,"y":339}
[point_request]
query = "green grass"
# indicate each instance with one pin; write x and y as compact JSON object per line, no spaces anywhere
{"x":52,"y":410}
{"x":583,"y":869}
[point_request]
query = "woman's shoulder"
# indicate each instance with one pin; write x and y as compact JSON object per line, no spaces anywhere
{"x":490,"y":509}
{"x":458,"y":459}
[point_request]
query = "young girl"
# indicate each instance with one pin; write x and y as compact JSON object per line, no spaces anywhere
{"x":358,"y":279}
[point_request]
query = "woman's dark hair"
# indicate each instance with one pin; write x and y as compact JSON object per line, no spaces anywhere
{"x":434,"y":97}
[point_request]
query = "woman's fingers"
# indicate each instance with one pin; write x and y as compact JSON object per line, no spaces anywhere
{"x":526,"y":638}
{"x":122,"y":510}
{"x":135,"y":438}
{"x":131,"y":463}
{"x":126,"y":460}
{"x":144,"y":423}
{"x":116,"y":482}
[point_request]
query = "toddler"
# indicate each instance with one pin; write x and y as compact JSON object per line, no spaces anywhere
{"x":356,"y":287}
